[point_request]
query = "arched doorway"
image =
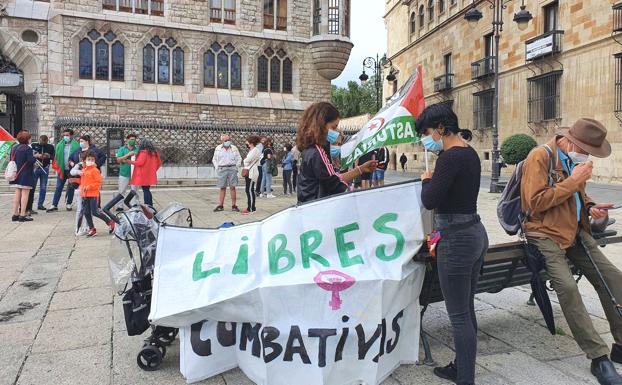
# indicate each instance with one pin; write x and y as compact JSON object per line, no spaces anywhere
{"x":18,"y":109}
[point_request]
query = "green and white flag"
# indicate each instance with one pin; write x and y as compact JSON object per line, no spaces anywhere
{"x":393,"y":124}
{"x":6,"y":142}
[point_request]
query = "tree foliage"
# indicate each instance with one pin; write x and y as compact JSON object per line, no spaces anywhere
{"x":516,"y":148}
{"x":355,"y":99}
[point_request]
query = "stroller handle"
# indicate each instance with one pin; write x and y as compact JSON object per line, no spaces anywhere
{"x":116,"y":199}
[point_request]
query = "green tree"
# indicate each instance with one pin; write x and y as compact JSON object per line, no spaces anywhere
{"x":355,"y":99}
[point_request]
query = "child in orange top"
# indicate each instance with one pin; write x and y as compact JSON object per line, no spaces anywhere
{"x":90,"y":184}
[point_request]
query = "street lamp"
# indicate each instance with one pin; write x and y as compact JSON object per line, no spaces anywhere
{"x":522,"y":18}
{"x":377,"y":65}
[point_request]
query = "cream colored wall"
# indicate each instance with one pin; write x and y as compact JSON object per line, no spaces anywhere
{"x":587,"y":83}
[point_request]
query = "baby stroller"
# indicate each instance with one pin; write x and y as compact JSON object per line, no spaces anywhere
{"x":131,"y":260}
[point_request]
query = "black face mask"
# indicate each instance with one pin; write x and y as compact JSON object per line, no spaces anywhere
{"x":247,"y":146}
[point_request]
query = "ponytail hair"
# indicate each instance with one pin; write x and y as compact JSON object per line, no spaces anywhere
{"x":441,"y":114}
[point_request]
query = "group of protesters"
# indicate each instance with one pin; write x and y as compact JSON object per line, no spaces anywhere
{"x":77,"y":164}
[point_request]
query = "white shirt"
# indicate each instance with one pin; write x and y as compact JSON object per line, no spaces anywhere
{"x":226,"y":157}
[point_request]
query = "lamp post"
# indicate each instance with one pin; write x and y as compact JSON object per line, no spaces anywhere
{"x":521,"y":18}
{"x":377,"y":65}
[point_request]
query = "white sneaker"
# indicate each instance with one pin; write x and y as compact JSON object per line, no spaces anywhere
{"x":270,"y":196}
{"x":263,"y":196}
{"x":69,"y":207}
{"x":82,"y":232}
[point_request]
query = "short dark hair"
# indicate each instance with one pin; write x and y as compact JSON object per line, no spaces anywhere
{"x":288,"y":147}
{"x":441,"y":114}
{"x":68,"y":130}
{"x":84,"y":154}
{"x":86,"y":137}
{"x":23,"y":137}
{"x":44,"y":137}
{"x":90,"y":154}
{"x":131,"y":136}
{"x":253,"y":139}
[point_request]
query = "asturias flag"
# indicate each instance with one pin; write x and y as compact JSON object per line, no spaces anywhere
{"x":6,"y":142}
{"x":393,"y":124}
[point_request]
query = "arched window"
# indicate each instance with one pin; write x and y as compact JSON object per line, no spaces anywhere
{"x":441,"y":7}
{"x":275,"y":72}
{"x":431,"y":10}
{"x":164,"y":58}
{"x":421,"y":16}
{"x":222,"y":67}
{"x":101,"y":57}
{"x":413,"y":23}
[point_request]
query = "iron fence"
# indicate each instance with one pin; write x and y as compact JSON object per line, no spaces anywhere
{"x":179,"y":143}
{"x":483,"y":107}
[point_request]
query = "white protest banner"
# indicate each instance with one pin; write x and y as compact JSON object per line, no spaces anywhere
{"x":393,"y":124}
{"x":326,"y":292}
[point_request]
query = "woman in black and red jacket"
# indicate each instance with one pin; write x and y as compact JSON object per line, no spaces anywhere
{"x":317,"y":131}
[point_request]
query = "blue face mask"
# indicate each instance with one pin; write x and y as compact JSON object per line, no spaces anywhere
{"x":335,"y":151}
{"x":83,"y":144}
{"x":66,"y":139}
{"x":227,"y":143}
{"x":332,"y":136}
{"x":432,"y":145}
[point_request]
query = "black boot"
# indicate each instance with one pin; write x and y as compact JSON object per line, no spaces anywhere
{"x":616,"y":353}
{"x":449,"y":372}
{"x":603,"y":369}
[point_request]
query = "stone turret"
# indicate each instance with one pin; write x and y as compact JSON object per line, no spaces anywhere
{"x":330,"y":40}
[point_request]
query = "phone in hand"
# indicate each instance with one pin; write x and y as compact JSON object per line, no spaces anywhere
{"x":615,"y":207}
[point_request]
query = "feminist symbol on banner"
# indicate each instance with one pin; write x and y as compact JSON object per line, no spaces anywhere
{"x":334,"y":281}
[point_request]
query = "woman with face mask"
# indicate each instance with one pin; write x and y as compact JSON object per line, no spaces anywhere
{"x":288,"y":165}
{"x":317,"y":132}
{"x":452,"y":191}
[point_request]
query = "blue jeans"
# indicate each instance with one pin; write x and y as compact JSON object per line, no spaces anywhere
{"x":266,"y":179}
{"x":60,"y":183}
{"x":41,"y":176}
{"x":460,"y":257}
{"x":378,"y":174}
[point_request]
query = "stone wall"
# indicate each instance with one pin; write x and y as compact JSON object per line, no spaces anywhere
{"x":587,"y":82}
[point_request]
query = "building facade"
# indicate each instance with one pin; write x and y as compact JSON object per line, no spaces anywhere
{"x":565,"y":65}
{"x":187,"y":62}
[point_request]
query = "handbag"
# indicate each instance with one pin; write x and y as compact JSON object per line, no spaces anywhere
{"x":11,"y":173}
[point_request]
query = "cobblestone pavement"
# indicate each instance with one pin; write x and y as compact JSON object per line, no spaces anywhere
{"x":62,"y":325}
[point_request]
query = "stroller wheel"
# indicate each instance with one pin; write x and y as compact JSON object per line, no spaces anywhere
{"x":153,"y":342}
{"x":167,"y":337}
{"x":149,"y":358}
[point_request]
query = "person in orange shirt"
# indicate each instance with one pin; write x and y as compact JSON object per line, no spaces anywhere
{"x":90,"y":184}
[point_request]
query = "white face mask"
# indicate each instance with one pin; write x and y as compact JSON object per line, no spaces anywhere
{"x":90,"y":163}
{"x":576,"y":157}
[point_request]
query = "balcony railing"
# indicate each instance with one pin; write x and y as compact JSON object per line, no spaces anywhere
{"x":216,"y":16}
{"x":483,"y":68}
{"x":145,"y":7}
{"x":444,"y":83}
{"x":544,"y":45}
{"x":617,"y":17}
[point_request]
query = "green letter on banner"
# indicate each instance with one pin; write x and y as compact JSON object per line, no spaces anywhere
{"x":197,"y":273}
{"x":344,"y":247}
{"x":381,"y":227}
{"x":307,"y":249}
{"x":276,"y":253}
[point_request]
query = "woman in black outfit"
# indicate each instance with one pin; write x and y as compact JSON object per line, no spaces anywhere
{"x":452,"y":191}
{"x":317,"y":130}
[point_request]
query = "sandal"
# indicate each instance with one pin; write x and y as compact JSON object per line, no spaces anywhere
{"x":218,"y":208}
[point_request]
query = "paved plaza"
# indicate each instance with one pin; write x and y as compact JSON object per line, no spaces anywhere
{"x":62,"y":324}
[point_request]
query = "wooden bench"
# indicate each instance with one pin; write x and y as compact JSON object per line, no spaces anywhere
{"x":503,"y":268}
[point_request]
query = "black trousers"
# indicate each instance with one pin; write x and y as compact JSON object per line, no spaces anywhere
{"x":258,"y":182}
{"x":90,"y":208}
{"x":287,"y":181}
{"x":250,"y":194}
{"x":294,"y":176}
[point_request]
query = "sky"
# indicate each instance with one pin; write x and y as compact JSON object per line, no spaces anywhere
{"x":368,"y":35}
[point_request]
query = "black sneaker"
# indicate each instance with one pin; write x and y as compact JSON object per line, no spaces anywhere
{"x":15,"y":218}
{"x":52,"y":209}
{"x":41,"y":208}
{"x":218,"y":208}
{"x":449,"y":372}
{"x":604,"y":371}
{"x":119,"y":209}
{"x":25,"y":219}
{"x":235,"y":208}
{"x":616,"y":353}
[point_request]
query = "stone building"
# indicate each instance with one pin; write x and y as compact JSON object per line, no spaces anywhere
{"x":565,"y":65}
{"x":171,"y":63}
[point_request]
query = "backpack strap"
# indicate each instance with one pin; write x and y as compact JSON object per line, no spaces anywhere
{"x":552,"y":164}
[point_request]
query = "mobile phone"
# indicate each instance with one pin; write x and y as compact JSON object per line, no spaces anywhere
{"x":615,"y":207}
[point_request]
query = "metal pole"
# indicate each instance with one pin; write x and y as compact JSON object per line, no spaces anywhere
{"x":377,"y":82}
{"x":496,"y":169}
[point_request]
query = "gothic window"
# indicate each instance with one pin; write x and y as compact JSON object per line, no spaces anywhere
{"x":222,"y":67}
{"x":145,"y":7}
{"x":164,"y":59}
{"x":274,"y":72}
{"x":317,"y":17}
{"x":421,"y":16}
{"x":413,"y":23}
{"x":222,"y":11}
{"x":431,"y":11}
{"x":333,"y":17}
{"x":275,"y":14}
{"x":101,"y":57}
{"x":441,"y":7}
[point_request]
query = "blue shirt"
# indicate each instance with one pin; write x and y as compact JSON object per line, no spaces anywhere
{"x":569,"y":166}
{"x":288,"y":162}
